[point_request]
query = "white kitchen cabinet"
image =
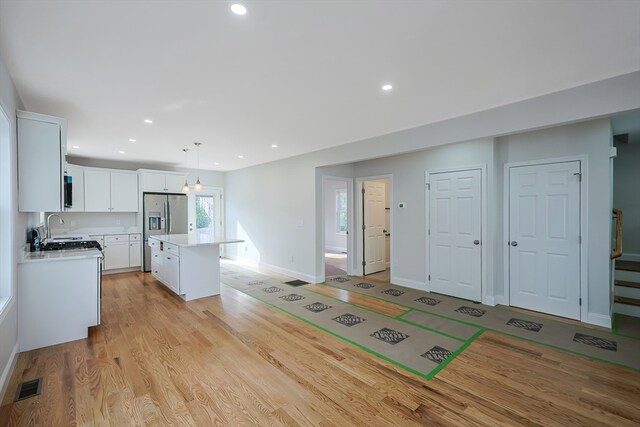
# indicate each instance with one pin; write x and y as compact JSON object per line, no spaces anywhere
{"x":116,"y":254}
{"x":97,"y":190}
{"x":135,"y":254}
{"x":107,"y":190}
{"x":77,"y":180}
{"x":161,"y":182}
{"x":42,"y":147}
{"x":124,"y":192}
{"x":58,"y":299}
{"x":171,"y":267}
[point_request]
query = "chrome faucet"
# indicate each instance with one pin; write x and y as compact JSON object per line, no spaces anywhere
{"x":49,"y":223}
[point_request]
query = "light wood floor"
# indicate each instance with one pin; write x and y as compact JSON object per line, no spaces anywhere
{"x":231,"y":360}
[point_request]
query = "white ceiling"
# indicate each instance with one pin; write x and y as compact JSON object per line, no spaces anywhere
{"x":305,"y":75}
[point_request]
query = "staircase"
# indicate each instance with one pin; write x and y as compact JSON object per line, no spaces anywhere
{"x":627,"y":288}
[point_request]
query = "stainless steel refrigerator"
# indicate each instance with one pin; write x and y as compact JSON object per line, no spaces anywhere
{"x":163,"y":214}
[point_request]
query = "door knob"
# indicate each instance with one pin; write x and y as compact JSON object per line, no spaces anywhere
{"x":514,"y":243}
{"x":476,"y":242}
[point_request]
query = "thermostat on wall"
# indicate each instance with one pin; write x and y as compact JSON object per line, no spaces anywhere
{"x":401,"y":205}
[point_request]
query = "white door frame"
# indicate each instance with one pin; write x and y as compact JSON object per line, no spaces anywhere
{"x":357,"y":264}
{"x":350,"y":232}
{"x":584,"y":213}
{"x":486,"y":296}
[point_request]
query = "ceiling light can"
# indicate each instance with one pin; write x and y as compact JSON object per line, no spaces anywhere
{"x":238,"y":9}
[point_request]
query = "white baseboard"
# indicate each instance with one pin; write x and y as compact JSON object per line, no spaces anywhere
{"x":7,"y":371}
{"x":414,"y":284}
{"x":630,"y":257}
{"x":120,"y":270}
{"x":598,"y":319}
{"x":336,"y":248}
{"x":292,"y":273}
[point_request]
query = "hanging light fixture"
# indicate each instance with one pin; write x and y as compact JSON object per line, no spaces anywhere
{"x":185,"y":187}
{"x":198,"y":186}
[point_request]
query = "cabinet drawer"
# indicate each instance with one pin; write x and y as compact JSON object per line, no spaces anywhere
{"x":153,"y":243}
{"x":172,"y":249}
{"x":134,"y":237}
{"x":116,"y":238}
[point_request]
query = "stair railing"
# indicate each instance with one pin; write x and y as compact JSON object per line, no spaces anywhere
{"x":617,"y":250}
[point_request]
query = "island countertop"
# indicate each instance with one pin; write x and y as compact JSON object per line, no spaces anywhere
{"x":190,"y":240}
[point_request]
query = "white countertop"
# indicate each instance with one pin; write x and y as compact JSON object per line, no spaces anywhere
{"x":43,"y":256}
{"x":189,"y":240}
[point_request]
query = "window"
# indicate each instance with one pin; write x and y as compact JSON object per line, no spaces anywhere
{"x":341,"y":211}
{"x":6,"y":211}
{"x":205,"y":223}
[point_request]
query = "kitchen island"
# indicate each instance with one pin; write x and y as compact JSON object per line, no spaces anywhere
{"x":188,"y":264}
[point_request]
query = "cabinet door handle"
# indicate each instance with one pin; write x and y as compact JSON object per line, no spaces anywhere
{"x":168,"y":257}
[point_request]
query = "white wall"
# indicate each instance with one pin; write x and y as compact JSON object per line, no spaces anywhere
{"x":333,"y":240}
{"x":594,"y":140}
{"x":13,"y":228}
{"x":626,"y":195}
{"x":79,"y":222}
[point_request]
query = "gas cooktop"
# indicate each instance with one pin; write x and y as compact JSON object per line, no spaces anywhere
{"x":71,"y":245}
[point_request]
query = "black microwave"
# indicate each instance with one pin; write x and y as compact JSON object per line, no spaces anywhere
{"x":68,"y":191}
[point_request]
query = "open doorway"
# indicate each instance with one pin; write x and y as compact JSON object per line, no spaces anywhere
{"x":336,"y":226}
{"x":374,"y":219}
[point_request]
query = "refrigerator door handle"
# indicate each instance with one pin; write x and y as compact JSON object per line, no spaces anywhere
{"x":169,"y":218}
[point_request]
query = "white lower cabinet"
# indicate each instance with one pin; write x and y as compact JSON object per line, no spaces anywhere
{"x":121,"y":250}
{"x":165,"y":264}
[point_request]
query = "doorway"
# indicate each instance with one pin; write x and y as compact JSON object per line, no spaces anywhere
{"x":374,"y":219}
{"x":205,"y":213}
{"x":454,"y":233}
{"x":544,"y":237}
{"x":336,"y":193}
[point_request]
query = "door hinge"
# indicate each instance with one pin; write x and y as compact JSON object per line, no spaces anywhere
{"x":364,"y":263}
{"x":362,"y":190}
{"x":428,"y":186}
{"x":580,"y":239}
{"x":580,"y":301}
{"x":429,"y":277}
{"x":579,"y":175}
{"x":429,"y":232}
{"x":363,"y":227}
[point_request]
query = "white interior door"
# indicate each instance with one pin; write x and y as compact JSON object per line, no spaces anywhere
{"x":544,"y":238}
{"x":455,"y":234}
{"x":374,"y":233}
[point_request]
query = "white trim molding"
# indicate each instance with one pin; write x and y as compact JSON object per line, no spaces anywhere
{"x":7,"y":371}
{"x":598,"y":319}
{"x":413,"y":284}
{"x":630,"y":257}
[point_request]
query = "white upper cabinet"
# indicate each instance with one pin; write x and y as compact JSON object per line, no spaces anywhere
{"x":42,"y":144}
{"x":124,"y":192}
{"x":107,"y":190}
{"x":77,"y":185}
{"x":161,"y":182}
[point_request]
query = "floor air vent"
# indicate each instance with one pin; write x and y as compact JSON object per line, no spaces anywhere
{"x":28,"y":389}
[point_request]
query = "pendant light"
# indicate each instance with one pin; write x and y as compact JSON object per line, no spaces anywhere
{"x":185,"y":188}
{"x":198,"y":186}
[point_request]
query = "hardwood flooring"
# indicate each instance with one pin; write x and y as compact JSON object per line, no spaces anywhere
{"x":232,"y":360}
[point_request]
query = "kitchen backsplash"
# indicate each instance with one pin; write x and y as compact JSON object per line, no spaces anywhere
{"x":95,"y":221}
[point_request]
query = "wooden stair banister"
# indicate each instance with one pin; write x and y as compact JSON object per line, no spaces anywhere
{"x":617,"y":251}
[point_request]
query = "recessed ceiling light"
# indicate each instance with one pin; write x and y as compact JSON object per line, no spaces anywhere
{"x":274,"y":145}
{"x":240,"y":156}
{"x":148,"y":121}
{"x":238,"y":9}
{"x":387,"y":87}
{"x":132,"y":140}
{"x":216,"y":163}
{"x":121,"y":152}
{"x":76,"y":146}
